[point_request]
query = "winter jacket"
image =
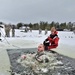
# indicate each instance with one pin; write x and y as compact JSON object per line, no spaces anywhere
{"x":52,"y":41}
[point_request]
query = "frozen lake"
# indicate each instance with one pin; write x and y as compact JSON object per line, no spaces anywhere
{"x":66,"y":42}
{"x":32,"y":40}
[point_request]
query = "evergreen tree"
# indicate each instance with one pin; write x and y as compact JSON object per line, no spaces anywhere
{"x":19,"y":25}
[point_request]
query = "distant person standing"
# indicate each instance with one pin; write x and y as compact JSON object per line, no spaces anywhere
{"x":0,"y":31}
{"x":26,"y":29}
{"x":74,"y":31}
{"x":7,"y":30}
{"x":40,"y":30}
{"x":45,"y":31}
{"x":30,"y":29}
{"x":51,"y":41}
{"x":13,"y":31}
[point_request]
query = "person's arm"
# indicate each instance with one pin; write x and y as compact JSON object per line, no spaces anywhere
{"x":56,"y":40}
{"x":50,"y":39}
{"x":55,"y":44}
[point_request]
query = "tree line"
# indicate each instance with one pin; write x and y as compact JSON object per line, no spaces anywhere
{"x":45,"y":25}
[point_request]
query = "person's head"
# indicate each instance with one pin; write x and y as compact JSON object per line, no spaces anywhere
{"x":40,"y":48}
{"x":53,"y":30}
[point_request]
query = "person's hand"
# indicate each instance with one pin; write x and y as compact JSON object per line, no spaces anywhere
{"x":23,"y":56}
{"x":47,"y":41}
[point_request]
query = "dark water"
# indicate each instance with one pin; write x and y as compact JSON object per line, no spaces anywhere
{"x":14,"y":54}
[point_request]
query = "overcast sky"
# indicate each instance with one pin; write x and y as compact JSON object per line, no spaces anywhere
{"x":26,"y":11}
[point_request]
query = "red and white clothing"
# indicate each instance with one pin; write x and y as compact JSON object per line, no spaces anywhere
{"x":51,"y":41}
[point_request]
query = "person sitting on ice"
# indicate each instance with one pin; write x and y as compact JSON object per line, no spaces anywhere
{"x":52,"y":40}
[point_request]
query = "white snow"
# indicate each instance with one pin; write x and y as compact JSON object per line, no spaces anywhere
{"x":67,"y":39}
{"x":22,"y":40}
